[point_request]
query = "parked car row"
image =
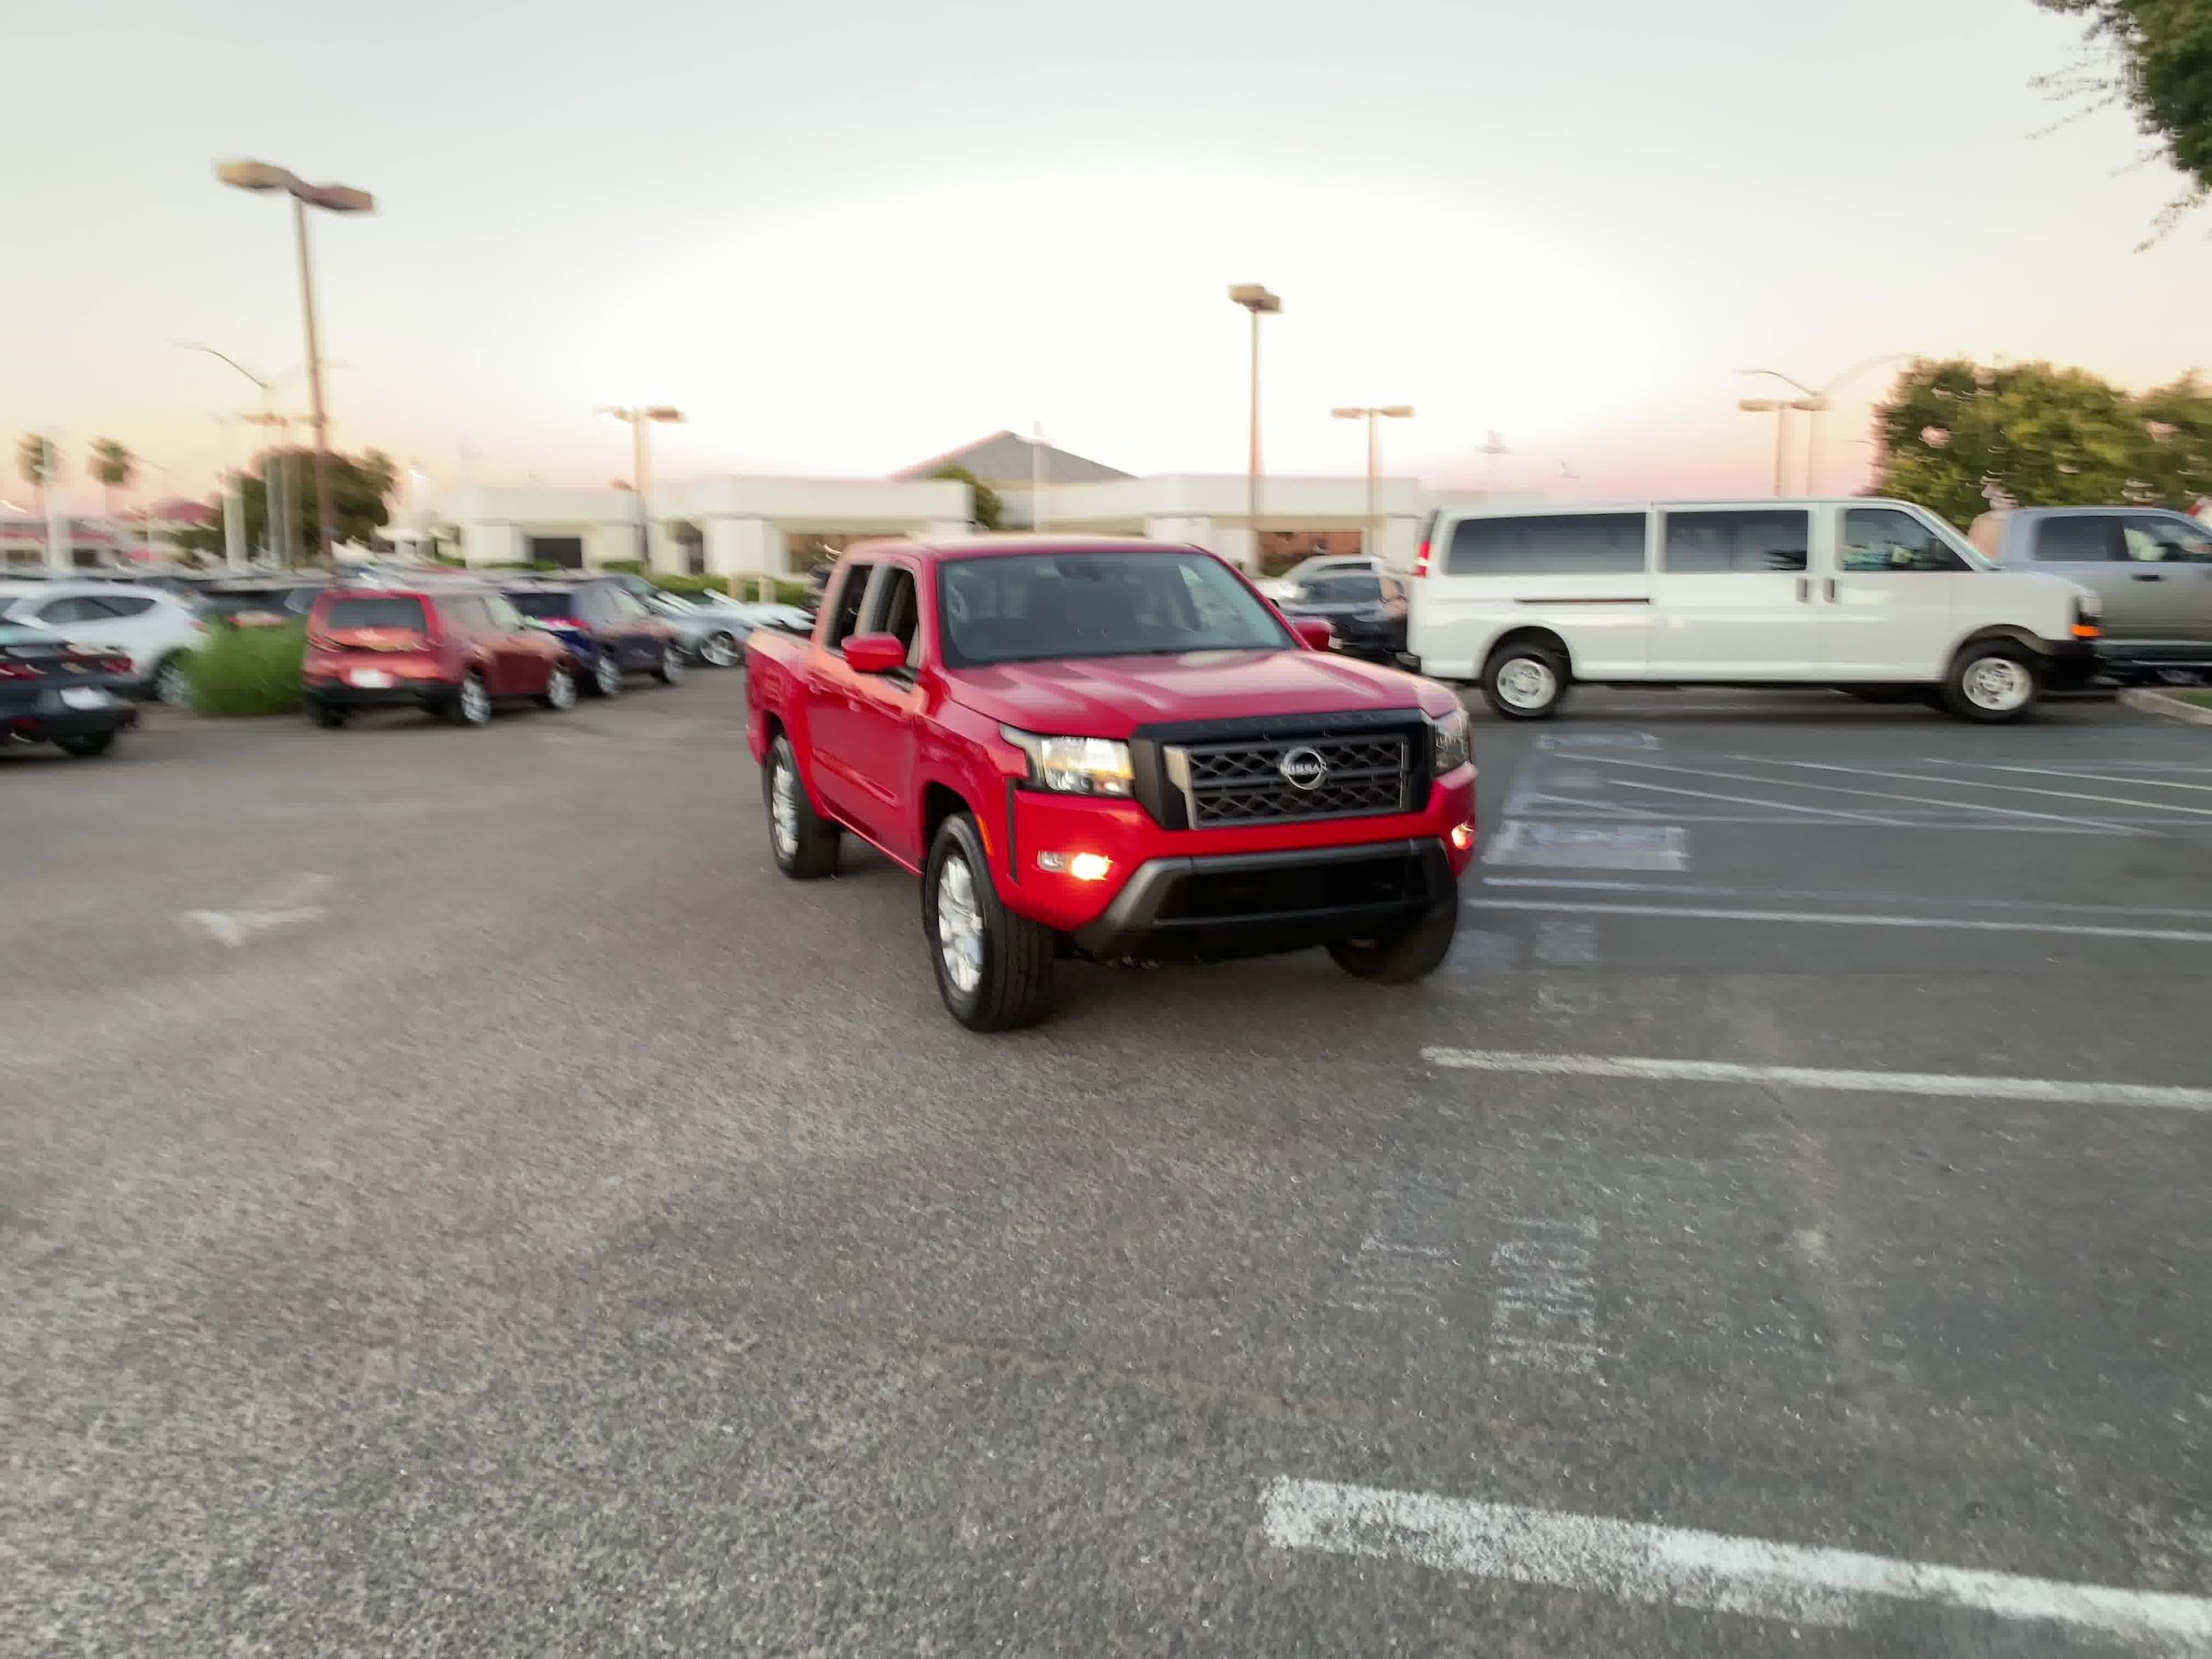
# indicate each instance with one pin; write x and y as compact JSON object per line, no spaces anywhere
{"x":156,"y":631}
{"x":76,"y":697}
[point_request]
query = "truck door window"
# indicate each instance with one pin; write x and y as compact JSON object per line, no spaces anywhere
{"x":2077,"y":539}
{"x":1885,"y":539}
{"x":2161,"y":540}
{"x":896,"y":609}
{"x":845,"y":614}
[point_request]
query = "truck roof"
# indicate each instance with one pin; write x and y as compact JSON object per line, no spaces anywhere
{"x":967,"y":547}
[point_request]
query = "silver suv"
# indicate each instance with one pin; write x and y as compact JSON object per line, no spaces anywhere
{"x":2151,"y":567}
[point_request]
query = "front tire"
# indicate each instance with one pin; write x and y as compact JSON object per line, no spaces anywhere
{"x":1993,"y":684}
{"x":719,"y":650}
{"x":560,"y":690}
{"x":606,"y":674}
{"x":993,"y":967}
{"x":1412,"y":951}
{"x":84,"y":747}
{"x":1524,"y":682}
{"x":803,"y":842}
{"x":670,"y":670}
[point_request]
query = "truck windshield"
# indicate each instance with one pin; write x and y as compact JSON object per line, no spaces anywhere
{"x":1035,"y":607}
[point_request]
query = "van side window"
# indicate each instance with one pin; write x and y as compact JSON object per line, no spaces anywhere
{"x":2077,"y":539}
{"x":1699,"y":543}
{"x":845,"y":614}
{"x":1553,"y":544}
{"x":1884,"y":539}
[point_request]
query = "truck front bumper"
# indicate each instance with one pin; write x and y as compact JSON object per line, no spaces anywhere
{"x":1248,"y":904}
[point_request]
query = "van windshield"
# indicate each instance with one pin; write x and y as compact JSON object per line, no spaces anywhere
{"x":1027,"y":608}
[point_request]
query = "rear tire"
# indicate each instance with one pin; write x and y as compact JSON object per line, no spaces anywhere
{"x":802,"y":841}
{"x":329,"y":715}
{"x":719,"y":650}
{"x":84,"y":747}
{"x":172,"y":681}
{"x":1993,"y":683}
{"x":1525,"y":681}
{"x":993,"y":967}
{"x":1413,"y":951}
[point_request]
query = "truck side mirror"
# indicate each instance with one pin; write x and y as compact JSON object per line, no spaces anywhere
{"x":875,"y":653}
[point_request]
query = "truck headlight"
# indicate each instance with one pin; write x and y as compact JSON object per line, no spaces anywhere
{"x":1447,"y":743}
{"x":1075,"y":765}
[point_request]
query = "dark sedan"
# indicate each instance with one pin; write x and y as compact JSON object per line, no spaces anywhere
{"x":74,"y":698}
{"x":1367,"y":609}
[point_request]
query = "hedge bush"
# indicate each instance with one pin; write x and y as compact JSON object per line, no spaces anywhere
{"x":246,"y":671}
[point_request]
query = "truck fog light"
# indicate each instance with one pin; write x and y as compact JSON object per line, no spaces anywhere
{"x":1463,"y":837}
{"x":1082,"y":866}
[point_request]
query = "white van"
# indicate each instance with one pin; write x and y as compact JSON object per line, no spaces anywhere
{"x":1879,"y":598}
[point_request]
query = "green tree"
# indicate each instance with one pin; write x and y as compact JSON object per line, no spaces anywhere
{"x":113,"y":467}
{"x":358,"y":489}
{"x":987,"y":510}
{"x":39,"y":461}
{"x":1957,"y":437}
{"x":2154,"y":57}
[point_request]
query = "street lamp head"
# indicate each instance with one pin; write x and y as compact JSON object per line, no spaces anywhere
{"x":255,"y":175}
{"x":1396,"y":412}
{"x":1760,"y":405}
{"x":663,"y":411}
{"x":1255,"y":298}
{"x":1349,"y":414}
{"x":335,"y":198}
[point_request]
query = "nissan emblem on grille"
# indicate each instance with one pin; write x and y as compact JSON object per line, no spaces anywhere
{"x":1304,"y":768}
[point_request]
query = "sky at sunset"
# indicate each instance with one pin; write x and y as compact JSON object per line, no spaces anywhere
{"x":845,"y":236}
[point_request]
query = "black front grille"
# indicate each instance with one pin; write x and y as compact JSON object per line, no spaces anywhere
{"x":1208,"y":895}
{"x":1245,"y":782}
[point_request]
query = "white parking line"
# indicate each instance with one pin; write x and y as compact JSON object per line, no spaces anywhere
{"x":2082,"y":777}
{"x":1838,"y":788}
{"x":1633,"y":1561}
{"x":1981,"y":783}
{"x":1606,"y":884}
{"x":2049,"y":1091}
{"x":1845,"y":919}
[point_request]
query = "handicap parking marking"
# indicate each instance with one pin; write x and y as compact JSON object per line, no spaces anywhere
{"x":1640,"y":1562}
{"x":1579,"y":846}
{"x":1557,"y":741}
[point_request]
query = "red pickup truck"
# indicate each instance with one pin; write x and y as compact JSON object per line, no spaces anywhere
{"x":1115,"y":749}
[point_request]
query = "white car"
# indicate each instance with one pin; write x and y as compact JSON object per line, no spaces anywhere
{"x":155,"y":629}
{"x":1879,"y":598}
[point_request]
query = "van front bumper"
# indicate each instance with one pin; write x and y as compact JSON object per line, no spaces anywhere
{"x":2073,"y":664}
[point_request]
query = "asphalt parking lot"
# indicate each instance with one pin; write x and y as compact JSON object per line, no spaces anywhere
{"x":456,"y":1198}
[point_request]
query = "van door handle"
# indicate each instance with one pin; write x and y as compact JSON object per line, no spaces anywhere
{"x":1804,"y":589}
{"x":2145,"y":576}
{"x":1831,"y":590}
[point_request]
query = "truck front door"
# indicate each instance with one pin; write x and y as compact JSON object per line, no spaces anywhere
{"x":832,"y":692}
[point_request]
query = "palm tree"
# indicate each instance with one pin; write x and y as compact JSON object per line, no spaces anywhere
{"x":113,"y":466}
{"x":39,"y":462}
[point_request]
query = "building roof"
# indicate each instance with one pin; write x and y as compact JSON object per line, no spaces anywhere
{"x":1009,"y":458}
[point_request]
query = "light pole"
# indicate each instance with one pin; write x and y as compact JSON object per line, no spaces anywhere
{"x":1372,"y":535}
{"x":1255,"y":299}
{"x":1779,"y":408}
{"x":335,"y":198}
{"x":234,"y":532}
{"x":1818,"y":405}
{"x":641,"y":420}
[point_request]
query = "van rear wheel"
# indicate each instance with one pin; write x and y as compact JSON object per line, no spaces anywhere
{"x":1524,"y":680}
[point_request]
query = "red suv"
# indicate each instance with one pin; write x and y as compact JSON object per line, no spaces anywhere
{"x":454,"y":649}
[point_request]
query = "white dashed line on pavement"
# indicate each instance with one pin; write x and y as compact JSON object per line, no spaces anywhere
{"x":2050,"y":1091}
{"x":1851,"y":918}
{"x":1634,"y":1560}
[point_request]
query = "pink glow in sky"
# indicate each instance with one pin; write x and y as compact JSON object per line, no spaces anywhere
{"x":846,"y":236}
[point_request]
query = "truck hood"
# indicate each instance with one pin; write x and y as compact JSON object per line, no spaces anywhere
{"x":1112,"y":696}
